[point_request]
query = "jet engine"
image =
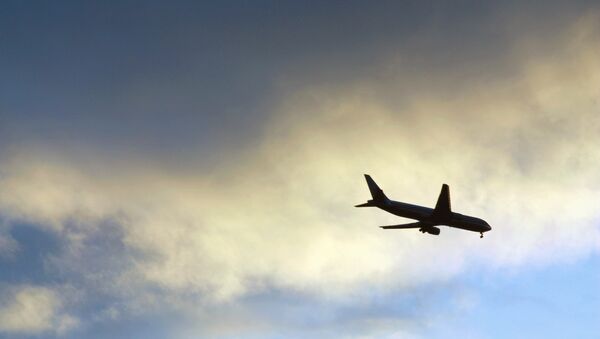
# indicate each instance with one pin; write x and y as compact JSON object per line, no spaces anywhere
{"x":431,"y":230}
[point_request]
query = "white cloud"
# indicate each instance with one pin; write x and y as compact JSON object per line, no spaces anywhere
{"x":33,"y":310}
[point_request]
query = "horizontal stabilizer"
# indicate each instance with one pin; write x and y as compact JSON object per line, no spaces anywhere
{"x":402,"y":226}
{"x":366,"y":204}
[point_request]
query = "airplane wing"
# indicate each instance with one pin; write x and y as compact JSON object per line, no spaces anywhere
{"x":411,"y":225}
{"x":442,"y":207}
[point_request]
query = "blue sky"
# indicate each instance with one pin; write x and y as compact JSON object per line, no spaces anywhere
{"x":189,"y":170}
{"x":554,"y":301}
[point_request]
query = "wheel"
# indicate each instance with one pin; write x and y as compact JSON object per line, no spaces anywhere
{"x":481,"y":235}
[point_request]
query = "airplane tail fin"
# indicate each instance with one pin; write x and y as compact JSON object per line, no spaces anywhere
{"x":376,"y":193}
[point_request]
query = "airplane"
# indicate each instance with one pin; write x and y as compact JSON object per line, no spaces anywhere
{"x":427,"y":218}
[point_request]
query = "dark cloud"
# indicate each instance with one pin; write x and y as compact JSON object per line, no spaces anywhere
{"x":186,"y":77}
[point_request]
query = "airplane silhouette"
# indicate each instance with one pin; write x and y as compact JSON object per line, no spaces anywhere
{"x":427,"y":218}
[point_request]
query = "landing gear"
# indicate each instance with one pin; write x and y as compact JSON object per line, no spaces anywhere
{"x":480,"y":234}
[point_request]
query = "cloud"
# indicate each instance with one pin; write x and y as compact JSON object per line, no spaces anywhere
{"x":518,"y":150}
{"x":33,"y":310}
{"x":8,"y":246}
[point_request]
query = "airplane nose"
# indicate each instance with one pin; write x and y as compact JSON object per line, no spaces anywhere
{"x":489,"y":228}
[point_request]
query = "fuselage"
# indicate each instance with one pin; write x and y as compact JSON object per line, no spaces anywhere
{"x":427,"y":215}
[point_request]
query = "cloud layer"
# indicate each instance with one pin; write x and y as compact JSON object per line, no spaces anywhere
{"x":519,"y":150}
{"x":33,"y":310}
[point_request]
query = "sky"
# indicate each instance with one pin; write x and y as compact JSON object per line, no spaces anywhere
{"x":188,"y":169}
